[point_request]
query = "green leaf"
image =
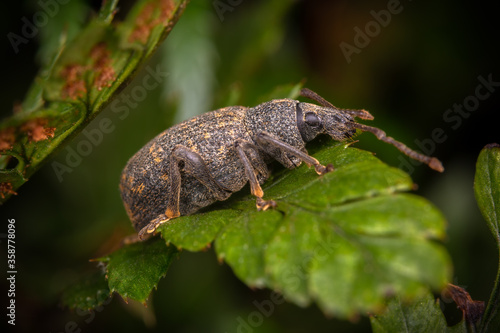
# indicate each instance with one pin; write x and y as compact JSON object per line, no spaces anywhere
{"x":134,"y":270}
{"x":487,"y":187}
{"x":347,"y":240}
{"x":81,"y":79}
{"x":421,"y":315}
{"x":487,"y":191}
{"x":108,"y":11}
{"x":91,"y":292}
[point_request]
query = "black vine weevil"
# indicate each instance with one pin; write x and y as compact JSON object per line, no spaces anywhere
{"x":208,"y":157}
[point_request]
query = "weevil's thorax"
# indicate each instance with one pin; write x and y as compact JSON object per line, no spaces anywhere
{"x":313,"y":119}
{"x":278,"y":118}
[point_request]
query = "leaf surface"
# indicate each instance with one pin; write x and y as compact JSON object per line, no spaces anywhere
{"x":134,"y":270}
{"x":422,"y":315}
{"x":346,"y":240}
{"x":89,"y":293}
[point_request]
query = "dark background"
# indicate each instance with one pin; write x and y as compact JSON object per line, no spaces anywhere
{"x":426,"y":59}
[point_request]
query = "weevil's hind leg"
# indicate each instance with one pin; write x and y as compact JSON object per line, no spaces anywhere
{"x":252,"y":162}
{"x":266,"y":140}
{"x":173,"y":195}
{"x":151,"y":227}
{"x":193,"y":164}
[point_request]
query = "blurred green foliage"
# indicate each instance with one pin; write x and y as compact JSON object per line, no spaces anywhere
{"x":427,"y":59}
{"x":407,"y":317}
{"x":79,"y":78}
{"x":487,"y":191}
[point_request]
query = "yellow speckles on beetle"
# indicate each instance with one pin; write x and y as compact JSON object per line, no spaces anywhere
{"x":152,"y":148}
{"x":138,"y":189}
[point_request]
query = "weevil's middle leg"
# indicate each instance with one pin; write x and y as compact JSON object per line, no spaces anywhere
{"x":252,"y":162}
{"x":264,"y":139}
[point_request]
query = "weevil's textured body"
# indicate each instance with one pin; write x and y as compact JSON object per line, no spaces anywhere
{"x":208,"y":157}
{"x":144,"y":179}
{"x":212,"y":135}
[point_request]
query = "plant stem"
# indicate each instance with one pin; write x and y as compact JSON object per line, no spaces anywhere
{"x":491,"y":319}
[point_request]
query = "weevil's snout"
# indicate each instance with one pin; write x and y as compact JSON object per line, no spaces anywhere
{"x":339,"y":125}
{"x":314,"y":119}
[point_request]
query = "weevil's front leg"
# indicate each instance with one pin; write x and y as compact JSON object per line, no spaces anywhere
{"x":267,"y":141}
{"x":193,"y":164}
{"x":253,"y":163}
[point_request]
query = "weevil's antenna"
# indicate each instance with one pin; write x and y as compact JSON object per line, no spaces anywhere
{"x":361,"y":114}
{"x":305,"y":92}
{"x":432,"y":162}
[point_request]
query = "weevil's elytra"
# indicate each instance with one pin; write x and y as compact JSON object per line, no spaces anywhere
{"x":207,"y":158}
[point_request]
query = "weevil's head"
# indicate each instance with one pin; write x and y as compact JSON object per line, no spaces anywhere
{"x":314,"y":119}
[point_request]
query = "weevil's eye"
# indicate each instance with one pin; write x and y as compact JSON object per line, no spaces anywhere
{"x":312,"y":119}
